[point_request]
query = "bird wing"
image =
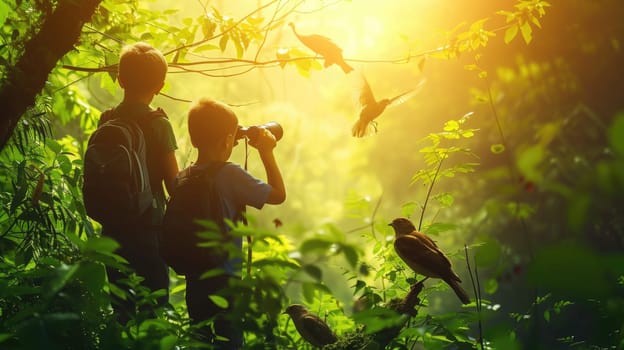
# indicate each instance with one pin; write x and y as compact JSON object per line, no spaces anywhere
{"x":401,"y":98}
{"x":426,"y":240}
{"x":425,"y":259}
{"x":316,"y":331}
{"x":365,"y":94}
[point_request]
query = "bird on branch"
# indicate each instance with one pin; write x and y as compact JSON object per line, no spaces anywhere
{"x":311,"y":328}
{"x":424,"y":257}
{"x":370,"y":109}
{"x":325,"y":47}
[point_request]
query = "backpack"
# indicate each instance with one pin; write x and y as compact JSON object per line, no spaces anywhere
{"x":194,"y":214}
{"x":116,"y":187}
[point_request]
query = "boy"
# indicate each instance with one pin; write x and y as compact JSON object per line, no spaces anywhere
{"x":212,"y":128}
{"x":141,"y":75}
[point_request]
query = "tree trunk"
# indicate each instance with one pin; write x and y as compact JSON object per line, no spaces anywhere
{"x":57,"y":36}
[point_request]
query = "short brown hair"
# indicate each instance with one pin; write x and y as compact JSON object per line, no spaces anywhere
{"x":142,"y":68}
{"x":209,"y":121}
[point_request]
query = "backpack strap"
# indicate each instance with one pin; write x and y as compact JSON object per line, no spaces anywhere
{"x":206,"y":174}
{"x":107,"y":115}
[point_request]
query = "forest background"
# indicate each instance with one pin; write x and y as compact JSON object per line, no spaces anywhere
{"x":511,"y":157}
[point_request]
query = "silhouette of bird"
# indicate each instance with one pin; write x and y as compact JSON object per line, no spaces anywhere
{"x":311,"y":328}
{"x":325,"y":47}
{"x":370,"y":108}
{"x":423,"y":256}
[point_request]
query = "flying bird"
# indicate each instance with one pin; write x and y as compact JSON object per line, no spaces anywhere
{"x":423,"y":256}
{"x":370,"y":108}
{"x":325,"y":47}
{"x":311,"y":328}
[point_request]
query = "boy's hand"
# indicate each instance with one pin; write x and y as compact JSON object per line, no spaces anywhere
{"x":264,"y":141}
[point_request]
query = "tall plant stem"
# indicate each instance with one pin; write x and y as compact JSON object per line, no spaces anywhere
{"x":476,"y":287}
{"x":424,"y":206}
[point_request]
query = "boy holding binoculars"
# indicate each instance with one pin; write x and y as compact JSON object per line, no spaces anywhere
{"x":213,"y":129}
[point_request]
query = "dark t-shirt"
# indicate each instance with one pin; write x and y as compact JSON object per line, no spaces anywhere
{"x":159,"y":140}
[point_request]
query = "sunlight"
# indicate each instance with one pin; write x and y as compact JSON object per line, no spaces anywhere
{"x":498,"y":180}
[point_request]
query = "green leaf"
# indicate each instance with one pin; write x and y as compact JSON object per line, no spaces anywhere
{"x":17,"y":291}
{"x":92,"y":275}
{"x":497,"y":148}
{"x":616,"y":134}
{"x":504,"y":340}
{"x":451,"y":125}
{"x":350,"y":254}
{"x":308,"y":289}
{"x":467,"y":133}
{"x":219,"y":301}
{"x":314,"y":244}
{"x":206,"y":47}
{"x":168,"y":342}
{"x":5,"y":336}
{"x":491,"y":286}
{"x":180,"y":288}
{"x":240,"y":50}
{"x":529,"y":162}
{"x":527,"y":32}
{"x":445,"y":199}
{"x":408,"y":209}
{"x":100,"y":245}
{"x":64,"y":163}
{"x":146,"y":36}
{"x":208,"y":27}
{"x":511,"y":33}
{"x":261,"y":263}
{"x":61,"y":316}
{"x":314,"y":271}
{"x":439,"y":227}
{"x":4,"y":12}
{"x":223,"y":42}
{"x":212,"y":273}
{"x":62,"y":275}
{"x":282,"y":54}
{"x":378,"y":319}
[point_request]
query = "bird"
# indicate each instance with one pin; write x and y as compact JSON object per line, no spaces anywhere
{"x":325,"y":47}
{"x":370,"y":108}
{"x":424,"y":257}
{"x":311,"y":328}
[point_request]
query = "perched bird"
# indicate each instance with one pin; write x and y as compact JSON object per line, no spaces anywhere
{"x":371,"y":108}
{"x":310,"y":327}
{"x":423,"y":256}
{"x":325,"y":47}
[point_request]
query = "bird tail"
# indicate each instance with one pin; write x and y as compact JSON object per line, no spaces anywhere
{"x":459,"y":291}
{"x":359,"y":128}
{"x":345,"y":67}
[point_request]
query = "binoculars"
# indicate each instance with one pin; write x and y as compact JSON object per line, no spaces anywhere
{"x":251,"y":132}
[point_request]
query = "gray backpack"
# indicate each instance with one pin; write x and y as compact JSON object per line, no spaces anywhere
{"x":116,"y":185}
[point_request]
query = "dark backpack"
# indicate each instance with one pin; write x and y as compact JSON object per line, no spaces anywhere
{"x":116,"y":187}
{"x":194,"y":215}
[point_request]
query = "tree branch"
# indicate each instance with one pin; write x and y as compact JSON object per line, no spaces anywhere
{"x":223,"y":32}
{"x":58,"y":35}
